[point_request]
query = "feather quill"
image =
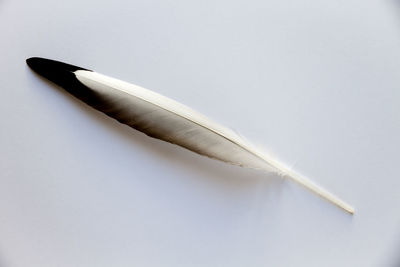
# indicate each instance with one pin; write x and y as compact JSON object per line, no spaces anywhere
{"x":162,"y":118}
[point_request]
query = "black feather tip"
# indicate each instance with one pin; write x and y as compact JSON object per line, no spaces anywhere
{"x":58,"y":72}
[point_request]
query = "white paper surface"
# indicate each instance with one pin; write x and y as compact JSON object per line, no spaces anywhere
{"x":316,"y":83}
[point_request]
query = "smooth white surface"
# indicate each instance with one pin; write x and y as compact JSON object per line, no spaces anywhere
{"x":316,"y":83}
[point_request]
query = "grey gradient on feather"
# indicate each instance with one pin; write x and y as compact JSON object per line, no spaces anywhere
{"x":146,"y":117}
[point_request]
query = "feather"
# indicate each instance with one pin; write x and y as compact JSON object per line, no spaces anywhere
{"x":162,"y":118}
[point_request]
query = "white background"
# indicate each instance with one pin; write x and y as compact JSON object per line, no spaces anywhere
{"x":313,"y":82}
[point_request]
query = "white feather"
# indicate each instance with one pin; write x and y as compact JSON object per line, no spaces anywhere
{"x":168,"y":120}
